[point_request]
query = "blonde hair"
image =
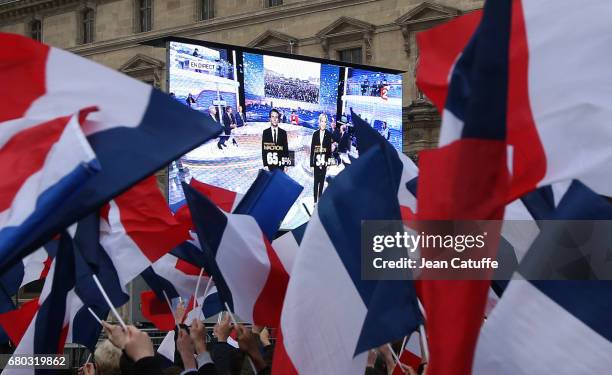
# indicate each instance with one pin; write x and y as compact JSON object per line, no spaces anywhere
{"x":323,"y":115}
{"x":107,"y":358}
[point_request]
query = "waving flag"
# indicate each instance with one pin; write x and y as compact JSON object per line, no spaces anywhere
{"x":49,"y":162}
{"x":541,"y":117}
{"x":47,"y":331}
{"x":227,"y":200}
{"x":287,"y":246}
{"x":367,"y":138}
{"x":129,"y":132}
{"x":327,"y":300}
{"x":31,"y":268}
{"x":439,"y":49}
{"x":247,"y":272}
{"x":410,"y":355}
{"x":552,"y":326}
{"x":137,"y":229}
{"x":269,"y":199}
{"x":467,"y":179}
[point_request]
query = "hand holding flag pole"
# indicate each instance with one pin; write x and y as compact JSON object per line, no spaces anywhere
{"x":395,"y":357}
{"x":235,"y":323}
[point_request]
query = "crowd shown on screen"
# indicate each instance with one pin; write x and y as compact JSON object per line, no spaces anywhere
{"x":277,"y":87}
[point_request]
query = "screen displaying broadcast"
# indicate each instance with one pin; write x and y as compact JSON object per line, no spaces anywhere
{"x":278,"y":112}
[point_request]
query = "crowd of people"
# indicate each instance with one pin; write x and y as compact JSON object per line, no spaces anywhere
{"x":292,"y":89}
{"x":131,"y":352}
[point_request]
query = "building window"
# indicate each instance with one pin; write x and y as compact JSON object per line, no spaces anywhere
{"x":144,"y":15}
{"x":87,"y":26}
{"x":36,"y":30}
{"x":352,"y":55}
{"x":274,"y":3}
{"x":208,"y":9}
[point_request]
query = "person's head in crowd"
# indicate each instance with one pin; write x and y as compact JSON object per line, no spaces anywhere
{"x":228,"y":109}
{"x":212,"y":110}
{"x":107,"y":358}
{"x":239,"y":109}
{"x":384,"y":125}
{"x":172,"y":95}
{"x":274,"y":117}
{"x":322,"y":121}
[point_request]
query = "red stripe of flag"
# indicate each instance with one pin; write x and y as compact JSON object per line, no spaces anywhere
{"x":25,"y":154}
{"x":16,"y":322}
{"x":148,"y":220}
{"x":21,"y":60}
{"x":269,"y":304}
{"x":529,"y":159}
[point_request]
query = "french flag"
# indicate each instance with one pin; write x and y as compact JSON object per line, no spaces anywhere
{"x":542,"y":116}
{"x":128,"y":133}
{"x":552,"y":326}
{"x":468,"y":179}
{"x":247,"y":272}
{"x":410,"y":355}
{"x":327,"y":300}
{"x":137,"y":229}
{"x":287,"y":246}
{"x":367,"y":138}
{"x":49,"y":162}
{"x":227,"y":200}
{"x":31,"y":268}
{"x":59,"y":314}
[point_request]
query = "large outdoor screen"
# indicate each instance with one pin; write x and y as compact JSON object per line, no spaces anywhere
{"x":273,"y":108}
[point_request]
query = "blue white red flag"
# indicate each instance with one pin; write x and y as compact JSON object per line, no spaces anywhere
{"x":542,"y":115}
{"x":246,"y":270}
{"x":327,"y":300}
{"x":128,"y":133}
{"x":553,"y":326}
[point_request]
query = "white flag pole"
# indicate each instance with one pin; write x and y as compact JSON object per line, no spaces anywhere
{"x":110,"y":304}
{"x":195,"y":296}
{"x":178,"y":328}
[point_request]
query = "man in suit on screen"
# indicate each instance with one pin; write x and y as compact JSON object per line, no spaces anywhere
{"x":229,"y":123}
{"x":320,"y":153}
{"x":274,"y":145}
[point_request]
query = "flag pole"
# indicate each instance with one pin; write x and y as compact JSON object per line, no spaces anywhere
{"x":208,"y":285}
{"x":395,"y":357}
{"x":233,"y":318}
{"x":423,"y":335}
{"x":95,"y":316}
{"x":195,"y":296}
{"x":178,"y":328}
{"x":110,"y":304}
